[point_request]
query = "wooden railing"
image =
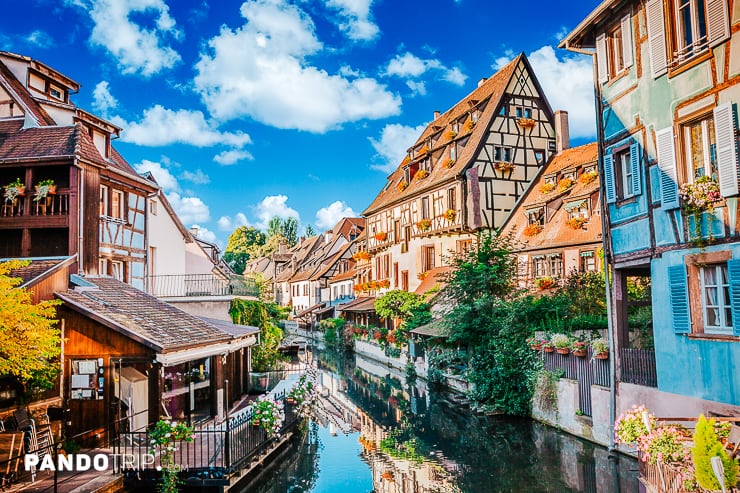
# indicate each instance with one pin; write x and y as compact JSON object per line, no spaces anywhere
{"x":638,"y":366}
{"x":52,"y":205}
{"x":587,"y":371}
{"x":661,"y":478}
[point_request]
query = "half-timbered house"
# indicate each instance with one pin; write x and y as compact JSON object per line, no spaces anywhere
{"x":466,"y":172}
{"x":667,"y":95}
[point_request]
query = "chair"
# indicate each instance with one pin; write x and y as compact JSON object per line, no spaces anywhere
{"x":11,"y":452}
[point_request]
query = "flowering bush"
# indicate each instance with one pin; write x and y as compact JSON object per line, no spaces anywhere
{"x":578,"y":345}
{"x":560,"y":341}
{"x":421,"y":174}
{"x":361,"y":255}
{"x":547,"y":187}
{"x":268,"y":414}
{"x":305,"y":394}
{"x":544,"y":282}
{"x":163,"y":436}
{"x":449,"y":163}
{"x":450,"y":214}
{"x":533,"y":229}
{"x":666,"y":445}
{"x":588,"y":177}
{"x":575,"y":222}
{"x":633,"y":424}
{"x":564,"y":184}
{"x":450,"y":134}
{"x":700,"y":195}
{"x":424,"y":224}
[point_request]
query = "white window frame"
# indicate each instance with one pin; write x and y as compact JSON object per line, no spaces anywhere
{"x":625,"y":168}
{"x":706,"y":150}
{"x":699,"y":43}
{"x":104,"y":201}
{"x":121,"y":209}
{"x":118,"y":270}
{"x":722,"y":308}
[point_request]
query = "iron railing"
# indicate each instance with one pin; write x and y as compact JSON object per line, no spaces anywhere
{"x":638,"y":366}
{"x":188,"y":285}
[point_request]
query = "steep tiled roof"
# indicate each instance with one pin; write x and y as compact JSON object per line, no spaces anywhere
{"x":490,"y":92}
{"x":15,"y":88}
{"x":556,"y":233}
{"x":36,"y":268}
{"x":140,"y":316}
{"x":347,"y":225}
{"x":48,"y":143}
{"x":433,"y":278}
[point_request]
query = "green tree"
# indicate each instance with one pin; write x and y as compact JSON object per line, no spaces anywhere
{"x":244,"y":244}
{"x":310,"y":232}
{"x":408,"y":308}
{"x":285,"y":227}
{"x":30,"y":342}
{"x":266,"y":355}
{"x":706,"y":446}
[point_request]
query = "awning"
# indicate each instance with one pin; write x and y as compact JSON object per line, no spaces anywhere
{"x":577,"y":204}
{"x":432,"y":329}
{"x":176,"y":357}
{"x":433,"y":278}
{"x":325,"y":309}
{"x":309,"y":310}
{"x":360,"y":305}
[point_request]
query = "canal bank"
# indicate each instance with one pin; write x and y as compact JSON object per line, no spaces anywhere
{"x":402,"y":436}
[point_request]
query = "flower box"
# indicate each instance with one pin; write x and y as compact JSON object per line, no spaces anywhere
{"x":423,"y":150}
{"x":587,"y":177}
{"x":451,"y":134}
{"x":533,"y":229}
{"x":421,"y":174}
{"x":565,"y":184}
{"x":424,"y":224}
{"x":562,"y":350}
{"x":504,"y":167}
{"x":449,"y":163}
{"x":547,"y":188}
{"x":469,"y":125}
{"x":526,"y":122}
{"x":548,"y":348}
{"x":575,"y":222}
{"x":545,"y":282}
{"x":405,"y":161}
{"x":581,"y":353}
{"x":602,"y":355}
{"x":450,"y":215}
{"x":402,"y":185}
{"x":381,"y":236}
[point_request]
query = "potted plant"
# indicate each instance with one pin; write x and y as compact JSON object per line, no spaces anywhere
{"x":534,"y":343}
{"x":701,"y":195}
{"x":268,"y":415}
{"x":633,"y":424}
{"x":469,"y":125}
{"x":450,"y":215}
{"x":561,"y":343}
{"x":547,"y":188}
{"x":578,"y":348}
{"x":503,"y":166}
{"x":381,"y":236}
{"x":532,"y":229}
{"x":587,"y":177}
{"x":14,"y":189}
{"x":402,"y":185}
{"x":575,"y":222}
{"x":424,"y":224}
{"x":449,"y":163}
{"x":565,"y":183}
{"x":600,"y":347}
{"x":548,"y":346}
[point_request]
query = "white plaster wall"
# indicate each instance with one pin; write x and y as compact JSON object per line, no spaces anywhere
{"x":197,"y":260}
{"x":168,"y":241}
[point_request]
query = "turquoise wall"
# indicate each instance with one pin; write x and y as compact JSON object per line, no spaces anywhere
{"x":701,"y":368}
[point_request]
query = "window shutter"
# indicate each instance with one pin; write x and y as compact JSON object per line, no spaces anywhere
{"x":627,"y":40}
{"x":727,"y":165}
{"x":667,"y":165}
{"x":733,"y":273}
{"x":635,"y":165}
{"x":611,"y":193}
{"x":656,"y":37}
{"x":718,"y":22}
{"x":679,"y":299}
{"x":601,"y":58}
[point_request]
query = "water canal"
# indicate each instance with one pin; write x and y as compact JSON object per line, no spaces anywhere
{"x":377,"y":433}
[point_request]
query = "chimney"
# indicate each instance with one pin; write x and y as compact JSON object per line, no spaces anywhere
{"x":328,"y":235}
{"x":194,"y":230}
{"x":282,"y":247}
{"x":562,"y":136}
{"x":436,"y":115}
{"x":301,"y":240}
{"x":482,"y":81}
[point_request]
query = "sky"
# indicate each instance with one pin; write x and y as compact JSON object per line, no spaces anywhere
{"x":244,"y":110}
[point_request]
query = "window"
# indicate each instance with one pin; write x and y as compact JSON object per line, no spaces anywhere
{"x":536,"y":216}
{"x":614,"y":50}
{"x":427,"y":258}
{"x":519,"y":112}
{"x":153,"y":207}
{"x":527,"y":112}
{"x":691,"y":28}
{"x":539,"y":156}
{"x":118,"y":270}
{"x":556,"y":265}
{"x":700,"y":149}
{"x":103,"y":200}
{"x":622,"y":172}
{"x":103,"y":267}
{"x":588,"y":261}
{"x":405,"y":280}
{"x":425,"y":207}
{"x":715,"y":299}
{"x":395,"y":275}
{"x":577,"y":209}
{"x":152,"y":260}
{"x":463,"y":246}
{"x":625,"y":186}
{"x":539,"y":266}
{"x":451,"y":203}
{"x":502,"y":154}
{"x":453,"y":151}
{"x":117,"y":204}
{"x":616,"y":55}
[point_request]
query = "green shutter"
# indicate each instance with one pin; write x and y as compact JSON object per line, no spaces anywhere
{"x":679,"y":299}
{"x":611,"y":192}
{"x":733,"y":273}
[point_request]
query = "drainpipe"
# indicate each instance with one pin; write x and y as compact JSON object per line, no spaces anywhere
{"x":605,"y":242}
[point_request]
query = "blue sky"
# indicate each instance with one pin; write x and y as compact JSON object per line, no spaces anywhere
{"x":248,"y":109}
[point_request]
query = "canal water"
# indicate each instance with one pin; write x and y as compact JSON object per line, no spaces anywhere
{"x":377,"y":432}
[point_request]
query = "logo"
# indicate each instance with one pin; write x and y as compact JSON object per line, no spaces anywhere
{"x":84,"y":462}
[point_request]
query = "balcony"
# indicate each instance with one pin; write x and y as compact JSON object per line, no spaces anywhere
{"x":194,"y":285}
{"x":638,"y":367}
{"x":49,"y":211}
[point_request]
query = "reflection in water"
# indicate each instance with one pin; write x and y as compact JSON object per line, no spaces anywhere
{"x":376,"y":432}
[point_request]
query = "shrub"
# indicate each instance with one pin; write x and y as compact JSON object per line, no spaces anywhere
{"x":631,"y":425}
{"x":706,"y":446}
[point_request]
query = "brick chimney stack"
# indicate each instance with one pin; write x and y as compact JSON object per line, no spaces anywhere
{"x":562,"y":134}
{"x":436,"y":115}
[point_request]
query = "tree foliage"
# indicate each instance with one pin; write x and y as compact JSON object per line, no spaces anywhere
{"x":706,"y":446}
{"x":29,"y":338}
{"x":310,"y":232}
{"x":245,"y":243}
{"x":265,"y":316}
{"x":409,"y":308}
{"x":286,"y":227}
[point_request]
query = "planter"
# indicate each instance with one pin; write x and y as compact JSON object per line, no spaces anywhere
{"x":536,"y":347}
{"x":257,"y":423}
{"x":604,"y":355}
{"x":581,"y":353}
{"x":290,"y":400}
{"x":548,"y":349}
{"x":563,"y":350}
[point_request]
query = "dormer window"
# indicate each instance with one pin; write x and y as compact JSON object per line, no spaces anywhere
{"x":536,"y":216}
{"x":519,"y":112}
{"x":453,"y":151}
{"x":474,"y":116}
{"x":570,"y":175}
{"x":577,"y":209}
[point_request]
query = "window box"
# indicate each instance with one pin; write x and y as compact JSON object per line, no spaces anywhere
{"x":576,"y":222}
{"x":526,"y":123}
{"x":381,"y":236}
{"x":424,"y":224}
{"x":449,"y":163}
{"x":421,"y":174}
{"x":533,"y":229}
{"x":504,"y":167}
{"x":546,"y":188}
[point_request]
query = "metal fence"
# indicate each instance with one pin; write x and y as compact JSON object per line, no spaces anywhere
{"x":587,"y":371}
{"x":186,"y":285}
{"x":638,"y":366}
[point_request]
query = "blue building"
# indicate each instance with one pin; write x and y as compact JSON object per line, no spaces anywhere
{"x":667,"y":86}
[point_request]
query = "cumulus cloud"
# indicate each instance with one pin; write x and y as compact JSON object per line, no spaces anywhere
{"x":161,"y":173}
{"x":411,"y":67}
{"x":393,"y":143}
{"x":198,"y":177}
{"x":327,"y":217}
{"x":568,"y":84}
{"x":103,"y":100}
{"x":260,"y":71}
{"x":227,"y":158}
{"x":203,"y":233}
{"x":118,"y":27}
{"x":227,"y":223}
{"x":161,"y":126}
{"x":39,"y":38}
{"x":356,"y":22}
{"x":189,"y":209}
{"x":271,"y":206}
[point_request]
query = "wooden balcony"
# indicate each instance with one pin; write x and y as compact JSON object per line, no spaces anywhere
{"x":24,"y":212}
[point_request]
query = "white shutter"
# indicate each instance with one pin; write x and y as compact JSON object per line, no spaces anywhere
{"x":601,"y":55}
{"x":727,"y":165}
{"x":635,"y":168}
{"x":656,"y":37}
{"x":667,"y":165}
{"x":611,"y":192}
{"x":627,"y":45}
{"x":718,"y":21}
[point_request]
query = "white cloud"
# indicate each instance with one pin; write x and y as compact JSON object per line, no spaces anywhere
{"x":260,"y":71}
{"x":568,"y":85}
{"x":137,"y":49}
{"x":357,"y":23}
{"x":227,"y":158}
{"x":198,"y":177}
{"x":40,"y":39}
{"x":327,"y":217}
{"x":394,"y":141}
{"x":161,"y":126}
{"x":226,"y":223}
{"x":271,"y":206}
{"x":103,"y":100}
{"x":203,"y":233}
{"x":161,"y":173}
{"x":409,"y":66}
{"x":189,"y":209}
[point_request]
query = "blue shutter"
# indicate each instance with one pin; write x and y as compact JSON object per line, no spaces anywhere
{"x":611,"y":192}
{"x":635,"y":166}
{"x":733,"y":273}
{"x":679,"y":299}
